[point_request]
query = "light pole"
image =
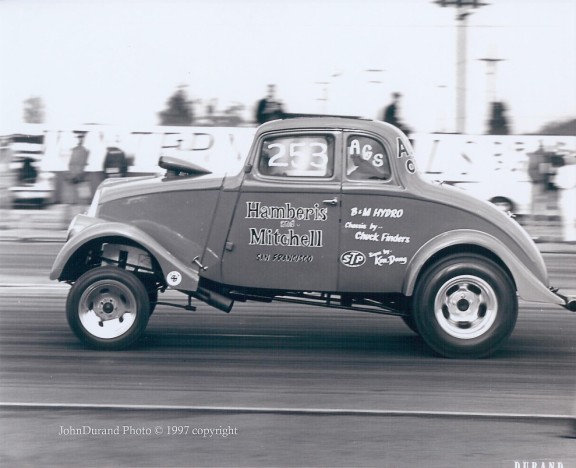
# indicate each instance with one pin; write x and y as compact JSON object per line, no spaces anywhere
{"x":324,"y":98}
{"x":463,"y":10}
{"x":374,"y":78}
{"x":372,"y":72}
{"x":497,"y":123}
{"x":491,"y":68}
{"x":326,"y":91}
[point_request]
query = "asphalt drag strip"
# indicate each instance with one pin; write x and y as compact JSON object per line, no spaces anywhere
{"x":108,"y":435}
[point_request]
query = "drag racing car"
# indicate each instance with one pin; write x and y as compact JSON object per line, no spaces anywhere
{"x":328,"y":212}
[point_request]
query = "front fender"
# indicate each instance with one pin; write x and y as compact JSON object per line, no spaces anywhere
{"x":529,"y":286}
{"x":95,"y":228}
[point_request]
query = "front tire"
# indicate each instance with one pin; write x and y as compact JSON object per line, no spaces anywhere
{"x":465,"y":306}
{"x":108,"y":308}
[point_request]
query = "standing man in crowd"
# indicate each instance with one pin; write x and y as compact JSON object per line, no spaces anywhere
{"x":391,"y":114}
{"x":76,"y":176}
{"x":565,"y":182}
{"x":269,"y":108}
{"x":542,"y":174}
{"x":78,"y":161}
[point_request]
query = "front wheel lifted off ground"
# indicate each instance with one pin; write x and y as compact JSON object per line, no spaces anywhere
{"x":465,"y":306}
{"x":108,"y":308}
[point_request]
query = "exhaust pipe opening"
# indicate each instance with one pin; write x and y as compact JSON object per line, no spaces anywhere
{"x":570,"y":304}
{"x":215,"y":299}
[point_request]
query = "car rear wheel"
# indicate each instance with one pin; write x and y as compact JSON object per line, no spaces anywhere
{"x":108,"y":308}
{"x":465,"y":306}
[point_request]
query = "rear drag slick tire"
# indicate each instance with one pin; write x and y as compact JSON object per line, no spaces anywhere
{"x":465,"y":306}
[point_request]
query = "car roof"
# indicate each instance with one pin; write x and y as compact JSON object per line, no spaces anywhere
{"x":325,"y":122}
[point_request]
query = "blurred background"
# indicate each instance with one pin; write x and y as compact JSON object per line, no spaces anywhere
{"x":485,"y":90}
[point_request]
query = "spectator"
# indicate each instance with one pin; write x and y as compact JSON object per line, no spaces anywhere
{"x":28,"y":172}
{"x":498,"y":123}
{"x":566,"y":184}
{"x":78,"y":161}
{"x":75,"y":177}
{"x":542,"y":171}
{"x":391,"y":114}
{"x":115,"y":163}
{"x":269,"y":108}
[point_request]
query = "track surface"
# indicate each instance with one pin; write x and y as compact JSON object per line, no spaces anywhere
{"x":286,"y":357}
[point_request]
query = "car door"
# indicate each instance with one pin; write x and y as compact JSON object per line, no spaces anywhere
{"x":375,"y":232}
{"x":285,"y":229}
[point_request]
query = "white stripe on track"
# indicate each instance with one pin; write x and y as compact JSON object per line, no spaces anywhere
{"x":286,"y":411}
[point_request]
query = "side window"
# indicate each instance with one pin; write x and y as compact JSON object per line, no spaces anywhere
{"x":366,"y":159}
{"x":297,"y":156}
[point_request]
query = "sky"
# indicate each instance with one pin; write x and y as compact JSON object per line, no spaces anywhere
{"x":117,"y":62}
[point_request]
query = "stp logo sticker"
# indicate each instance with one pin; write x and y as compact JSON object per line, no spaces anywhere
{"x":353,"y":259}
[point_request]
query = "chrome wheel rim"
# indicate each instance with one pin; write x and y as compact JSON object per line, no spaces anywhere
{"x":466,"y":307}
{"x":107,"y":309}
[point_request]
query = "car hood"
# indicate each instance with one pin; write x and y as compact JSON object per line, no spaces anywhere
{"x":114,"y":189}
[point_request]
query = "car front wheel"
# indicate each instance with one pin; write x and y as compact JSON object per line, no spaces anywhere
{"x":465,"y":306}
{"x":108,"y":308}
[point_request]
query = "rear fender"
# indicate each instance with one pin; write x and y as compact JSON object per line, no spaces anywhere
{"x":528,"y":286}
{"x":175,"y":272}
